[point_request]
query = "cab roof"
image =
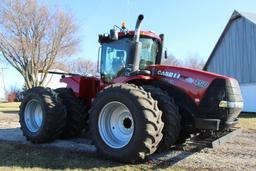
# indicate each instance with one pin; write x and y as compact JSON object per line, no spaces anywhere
{"x":105,"y":38}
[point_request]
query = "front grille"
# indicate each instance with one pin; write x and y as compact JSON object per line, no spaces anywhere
{"x":221,"y":90}
{"x":233,"y":95}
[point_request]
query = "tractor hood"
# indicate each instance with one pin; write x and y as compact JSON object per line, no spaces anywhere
{"x":193,"y":81}
{"x":216,"y":96}
{"x":183,"y":72}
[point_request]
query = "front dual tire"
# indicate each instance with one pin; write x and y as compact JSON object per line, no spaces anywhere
{"x":125,"y":123}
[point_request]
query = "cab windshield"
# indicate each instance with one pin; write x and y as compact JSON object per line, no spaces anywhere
{"x":148,"y":52}
{"x":115,"y":56}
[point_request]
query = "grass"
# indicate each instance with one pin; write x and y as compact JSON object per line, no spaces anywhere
{"x":9,"y":107}
{"x":28,"y":157}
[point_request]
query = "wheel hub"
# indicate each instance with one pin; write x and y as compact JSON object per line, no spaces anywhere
{"x":127,"y":122}
{"x":115,"y":124}
{"x":33,"y":115}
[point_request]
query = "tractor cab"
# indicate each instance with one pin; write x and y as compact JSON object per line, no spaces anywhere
{"x":125,"y":52}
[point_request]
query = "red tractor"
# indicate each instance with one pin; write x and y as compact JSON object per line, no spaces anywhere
{"x":137,"y":105}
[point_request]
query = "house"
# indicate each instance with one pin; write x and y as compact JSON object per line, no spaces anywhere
{"x":234,"y":55}
{"x":53,"y":80}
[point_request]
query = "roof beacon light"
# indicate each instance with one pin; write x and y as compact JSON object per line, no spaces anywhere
{"x":123,"y":25}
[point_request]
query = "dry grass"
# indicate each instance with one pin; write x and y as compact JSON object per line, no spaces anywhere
{"x":247,"y":121}
{"x":9,"y":107}
{"x":29,"y":157}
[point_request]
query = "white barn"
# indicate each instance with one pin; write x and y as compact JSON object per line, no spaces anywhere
{"x":234,"y":55}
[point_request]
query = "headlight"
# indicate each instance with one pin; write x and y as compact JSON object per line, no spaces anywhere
{"x":227,"y":104}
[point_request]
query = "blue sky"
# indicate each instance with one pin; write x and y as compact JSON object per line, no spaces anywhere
{"x":191,"y":27}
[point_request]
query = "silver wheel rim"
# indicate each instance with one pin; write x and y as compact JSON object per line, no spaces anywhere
{"x":33,"y":115}
{"x":116,"y":124}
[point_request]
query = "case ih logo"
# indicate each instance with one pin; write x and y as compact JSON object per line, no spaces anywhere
{"x":168,"y":74}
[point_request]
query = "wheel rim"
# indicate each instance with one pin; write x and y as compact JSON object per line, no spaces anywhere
{"x":116,"y":124}
{"x":33,"y":115}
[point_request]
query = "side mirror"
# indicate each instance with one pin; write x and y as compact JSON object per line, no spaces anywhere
{"x":113,"y":34}
{"x":165,"y":54}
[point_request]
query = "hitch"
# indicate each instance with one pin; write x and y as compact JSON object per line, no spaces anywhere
{"x":213,"y":140}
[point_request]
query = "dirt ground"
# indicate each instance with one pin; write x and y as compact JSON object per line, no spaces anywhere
{"x":238,"y":154}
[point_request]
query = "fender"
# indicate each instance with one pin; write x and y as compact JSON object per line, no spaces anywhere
{"x":187,"y":106}
{"x":84,"y":88}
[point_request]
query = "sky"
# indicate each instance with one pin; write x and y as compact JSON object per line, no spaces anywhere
{"x":191,"y":27}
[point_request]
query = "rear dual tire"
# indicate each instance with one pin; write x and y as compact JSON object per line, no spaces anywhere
{"x":46,"y":115}
{"x":42,"y":115}
{"x":77,"y":114}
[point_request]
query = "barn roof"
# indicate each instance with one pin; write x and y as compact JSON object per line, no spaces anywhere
{"x":236,"y":15}
{"x":249,"y":16}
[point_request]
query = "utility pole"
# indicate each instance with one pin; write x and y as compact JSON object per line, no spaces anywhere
{"x":3,"y":80}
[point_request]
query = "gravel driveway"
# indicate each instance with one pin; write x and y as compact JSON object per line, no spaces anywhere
{"x":239,"y":154}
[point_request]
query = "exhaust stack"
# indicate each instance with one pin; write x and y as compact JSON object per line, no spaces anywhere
{"x":137,"y":28}
{"x":137,"y":43}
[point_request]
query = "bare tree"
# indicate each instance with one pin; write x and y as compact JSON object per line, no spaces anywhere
{"x":64,"y":66}
{"x":13,"y":93}
{"x":83,"y":67}
{"x":172,"y":60}
{"x":194,"y":61}
{"x":77,"y":66}
{"x":33,"y":37}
